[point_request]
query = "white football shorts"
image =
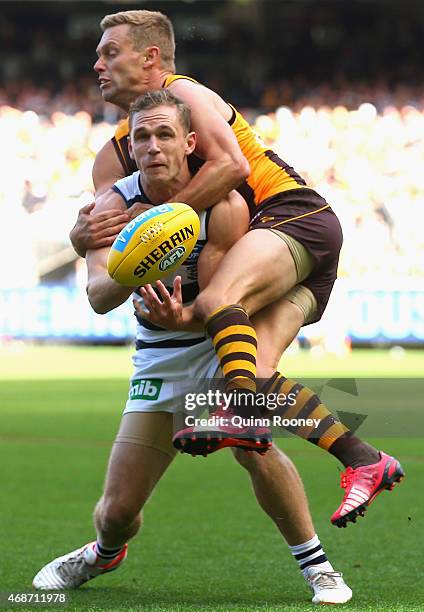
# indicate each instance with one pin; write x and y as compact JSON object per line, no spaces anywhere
{"x":162,"y":376}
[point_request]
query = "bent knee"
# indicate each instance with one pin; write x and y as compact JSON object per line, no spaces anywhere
{"x":206,"y":303}
{"x":117,"y":515}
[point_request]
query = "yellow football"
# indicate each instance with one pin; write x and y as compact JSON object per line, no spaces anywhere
{"x":153,"y":244}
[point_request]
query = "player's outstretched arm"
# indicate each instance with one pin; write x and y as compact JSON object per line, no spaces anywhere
{"x":225,"y":166}
{"x":104,"y":294}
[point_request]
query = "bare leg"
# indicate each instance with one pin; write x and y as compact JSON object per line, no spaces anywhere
{"x":237,"y":281}
{"x":279,"y":491}
{"x":277,"y":325}
{"x":132,"y":474}
{"x":133,"y":471}
{"x":280,"y":494}
{"x":238,"y":290}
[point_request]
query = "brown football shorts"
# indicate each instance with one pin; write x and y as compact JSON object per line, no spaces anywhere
{"x":306,"y":217}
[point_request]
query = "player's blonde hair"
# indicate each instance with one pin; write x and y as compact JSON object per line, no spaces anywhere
{"x":161,"y":97}
{"x":147,"y":28}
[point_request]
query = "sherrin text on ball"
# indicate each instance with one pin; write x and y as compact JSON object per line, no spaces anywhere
{"x":153,"y":245}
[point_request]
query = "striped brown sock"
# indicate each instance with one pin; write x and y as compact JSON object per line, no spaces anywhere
{"x":330,"y":435}
{"x":234,"y":341}
{"x":303,"y":403}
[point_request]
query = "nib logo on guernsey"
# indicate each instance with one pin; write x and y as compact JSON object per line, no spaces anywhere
{"x":145,"y":388}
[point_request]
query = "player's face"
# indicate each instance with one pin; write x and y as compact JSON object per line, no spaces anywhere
{"x":159,"y":144}
{"x":119,"y":67}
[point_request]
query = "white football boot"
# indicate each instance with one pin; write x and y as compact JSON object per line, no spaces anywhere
{"x":327,"y":587}
{"x":72,"y":570}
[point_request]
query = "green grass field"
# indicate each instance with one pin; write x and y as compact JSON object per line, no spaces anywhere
{"x":205,"y":544}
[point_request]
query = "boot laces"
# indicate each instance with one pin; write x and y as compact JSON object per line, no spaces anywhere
{"x":75,"y":568}
{"x":346,"y":478}
{"x":327,"y":580}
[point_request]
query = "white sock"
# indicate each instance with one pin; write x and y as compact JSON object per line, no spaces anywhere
{"x":311,"y":553}
{"x":105,"y":553}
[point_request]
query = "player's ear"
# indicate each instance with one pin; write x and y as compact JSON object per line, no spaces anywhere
{"x":190,"y":142}
{"x":130,"y":149}
{"x":150,"y":55}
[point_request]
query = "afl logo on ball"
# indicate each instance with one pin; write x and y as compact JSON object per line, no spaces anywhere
{"x":171,"y":258}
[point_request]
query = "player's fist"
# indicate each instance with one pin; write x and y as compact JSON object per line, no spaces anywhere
{"x":96,"y":230}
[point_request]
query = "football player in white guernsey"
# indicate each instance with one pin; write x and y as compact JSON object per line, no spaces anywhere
{"x":143,"y":450}
{"x":295,"y":238}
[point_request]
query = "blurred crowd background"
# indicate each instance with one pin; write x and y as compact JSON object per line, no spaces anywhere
{"x":260,"y":53}
{"x":335,"y":87}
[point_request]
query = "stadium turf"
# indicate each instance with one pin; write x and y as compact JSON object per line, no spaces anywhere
{"x":205,"y":545}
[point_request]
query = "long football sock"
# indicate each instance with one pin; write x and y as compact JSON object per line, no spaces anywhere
{"x":353,"y":452}
{"x":311,"y":553}
{"x":235,"y":343}
{"x":330,"y":435}
{"x":303,"y":403}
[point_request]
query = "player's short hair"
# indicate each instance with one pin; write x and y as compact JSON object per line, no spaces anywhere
{"x":161,"y":97}
{"x":147,"y":28}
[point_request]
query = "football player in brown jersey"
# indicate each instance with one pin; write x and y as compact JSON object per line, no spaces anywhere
{"x":282,"y":270}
